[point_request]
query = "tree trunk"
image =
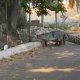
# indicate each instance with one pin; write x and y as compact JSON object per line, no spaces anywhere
{"x":28,"y":28}
{"x":56,"y":20}
{"x":42,"y":20}
{"x":12,"y":16}
{"x":14,"y":11}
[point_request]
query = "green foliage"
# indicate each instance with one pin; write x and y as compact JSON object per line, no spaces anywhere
{"x":26,"y":5}
{"x":57,"y":6}
{"x":59,"y":26}
{"x":41,"y":6}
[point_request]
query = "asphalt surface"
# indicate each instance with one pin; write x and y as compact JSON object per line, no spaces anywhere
{"x":53,"y":63}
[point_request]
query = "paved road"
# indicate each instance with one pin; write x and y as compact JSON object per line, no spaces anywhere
{"x":54,"y":63}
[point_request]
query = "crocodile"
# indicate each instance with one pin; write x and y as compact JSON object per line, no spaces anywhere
{"x":59,"y":37}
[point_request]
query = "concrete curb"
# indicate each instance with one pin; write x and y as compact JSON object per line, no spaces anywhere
{"x":19,"y":49}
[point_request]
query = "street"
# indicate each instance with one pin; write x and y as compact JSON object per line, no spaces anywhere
{"x":53,"y":63}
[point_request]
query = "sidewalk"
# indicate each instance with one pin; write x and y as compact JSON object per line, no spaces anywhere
{"x":19,"y":49}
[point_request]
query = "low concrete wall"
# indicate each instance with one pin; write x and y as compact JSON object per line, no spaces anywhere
{"x":19,"y":49}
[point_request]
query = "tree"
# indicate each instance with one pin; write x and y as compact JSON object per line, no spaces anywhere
{"x":41,"y":9}
{"x":57,"y":6}
{"x":27,"y":4}
{"x":74,"y":2}
{"x":44,"y":5}
{"x":13,"y":12}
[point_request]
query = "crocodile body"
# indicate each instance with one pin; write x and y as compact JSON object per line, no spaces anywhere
{"x":56,"y":36}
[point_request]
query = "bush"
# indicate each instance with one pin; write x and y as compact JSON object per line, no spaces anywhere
{"x":59,"y":26}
